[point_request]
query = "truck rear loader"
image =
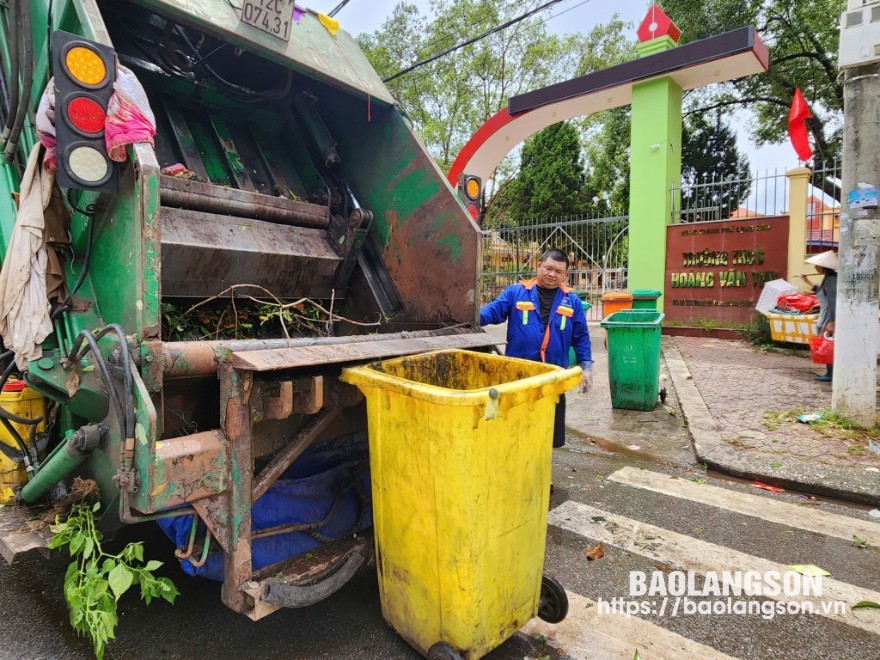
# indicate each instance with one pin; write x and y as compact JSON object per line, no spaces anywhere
{"x":285,"y":222}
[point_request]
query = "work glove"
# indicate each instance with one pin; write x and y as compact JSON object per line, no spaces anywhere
{"x":587,"y":379}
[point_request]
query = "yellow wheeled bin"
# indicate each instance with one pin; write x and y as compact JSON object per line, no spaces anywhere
{"x":460,"y":457}
{"x":26,"y":403}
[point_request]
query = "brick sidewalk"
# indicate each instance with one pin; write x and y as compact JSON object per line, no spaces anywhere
{"x":741,"y":385}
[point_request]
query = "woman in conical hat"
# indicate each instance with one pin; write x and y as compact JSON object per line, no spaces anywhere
{"x":826,"y":292}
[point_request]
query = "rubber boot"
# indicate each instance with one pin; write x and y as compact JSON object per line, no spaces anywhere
{"x":828,"y":375}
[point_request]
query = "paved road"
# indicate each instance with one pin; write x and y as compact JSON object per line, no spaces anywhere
{"x":649,"y":518}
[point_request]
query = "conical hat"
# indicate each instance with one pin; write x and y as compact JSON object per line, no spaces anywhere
{"x":824,"y":259}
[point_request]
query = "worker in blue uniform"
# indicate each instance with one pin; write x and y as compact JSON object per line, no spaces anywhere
{"x":545,"y":319}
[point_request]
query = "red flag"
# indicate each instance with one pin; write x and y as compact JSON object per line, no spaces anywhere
{"x":797,"y":126}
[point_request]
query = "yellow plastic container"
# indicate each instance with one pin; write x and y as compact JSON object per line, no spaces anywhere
{"x":460,"y":456}
{"x":20,"y":400}
{"x":793,"y":328}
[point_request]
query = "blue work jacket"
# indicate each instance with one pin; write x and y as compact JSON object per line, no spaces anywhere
{"x":527,"y":337}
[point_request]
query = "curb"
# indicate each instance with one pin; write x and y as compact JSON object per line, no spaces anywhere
{"x":711,"y":449}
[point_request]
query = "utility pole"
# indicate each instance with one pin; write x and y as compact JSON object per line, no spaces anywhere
{"x":856,"y":333}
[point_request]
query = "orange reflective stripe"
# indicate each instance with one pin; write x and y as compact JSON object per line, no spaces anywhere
{"x":565,"y":311}
{"x":544,"y":343}
{"x":525,"y":305}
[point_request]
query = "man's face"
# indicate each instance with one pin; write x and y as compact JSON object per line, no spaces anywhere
{"x":551,"y":273}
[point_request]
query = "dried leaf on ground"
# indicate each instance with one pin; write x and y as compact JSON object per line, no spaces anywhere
{"x":809,"y":570}
{"x":772,"y":489}
{"x":859,"y":542}
{"x":596,"y":552}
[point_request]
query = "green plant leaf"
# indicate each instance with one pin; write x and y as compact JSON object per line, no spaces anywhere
{"x":76,"y":543}
{"x":859,"y":542}
{"x":120,"y":580}
{"x":169,"y":591}
{"x":95,"y":507}
{"x":865,"y":604}
{"x":152,"y":565}
{"x":134,"y":552}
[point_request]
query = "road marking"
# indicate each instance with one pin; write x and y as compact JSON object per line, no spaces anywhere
{"x":792,"y":515}
{"x":586,"y":634}
{"x":690,"y":554}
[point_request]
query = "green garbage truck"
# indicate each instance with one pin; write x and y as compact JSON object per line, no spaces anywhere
{"x":175,"y":320}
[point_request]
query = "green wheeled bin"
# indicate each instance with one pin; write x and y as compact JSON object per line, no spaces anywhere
{"x":634,"y":358}
{"x":645,"y":298}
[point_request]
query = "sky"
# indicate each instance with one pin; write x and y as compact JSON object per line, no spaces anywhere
{"x":570,"y":16}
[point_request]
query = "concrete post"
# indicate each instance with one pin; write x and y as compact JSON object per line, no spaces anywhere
{"x":655,"y":167}
{"x":798,"y":182}
{"x":855,"y":347}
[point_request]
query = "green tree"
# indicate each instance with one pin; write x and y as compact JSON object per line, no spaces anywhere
{"x":606,"y":191}
{"x":450,"y":98}
{"x":714,"y":175}
{"x":803,"y":39}
{"x":551,"y":176}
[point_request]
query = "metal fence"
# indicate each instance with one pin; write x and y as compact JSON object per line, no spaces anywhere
{"x":710,"y":198}
{"x":598,"y":250}
{"x":823,"y":208}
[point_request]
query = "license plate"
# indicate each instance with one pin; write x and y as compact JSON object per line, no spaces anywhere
{"x":272,"y":16}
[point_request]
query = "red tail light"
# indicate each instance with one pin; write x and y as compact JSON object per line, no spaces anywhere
{"x":86,"y":115}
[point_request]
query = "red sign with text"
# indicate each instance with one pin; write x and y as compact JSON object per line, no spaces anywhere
{"x":715,"y":271}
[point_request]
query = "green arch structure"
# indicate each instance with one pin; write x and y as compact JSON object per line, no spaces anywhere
{"x":653,"y":84}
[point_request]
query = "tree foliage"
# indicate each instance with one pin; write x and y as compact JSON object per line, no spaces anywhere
{"x":713,"y":172}
{"x":606,"y":190}
{"x":450,"y":98}
{"x":550,"y":179}
{"x":803,"y":39}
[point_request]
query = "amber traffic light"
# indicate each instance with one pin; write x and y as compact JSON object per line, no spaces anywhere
{"x":84,"y":74}
{"x":470,"y":190}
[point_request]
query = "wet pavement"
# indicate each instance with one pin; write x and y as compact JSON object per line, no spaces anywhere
{"x":350,"y":624}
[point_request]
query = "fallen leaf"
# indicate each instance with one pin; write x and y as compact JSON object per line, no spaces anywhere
{"x":775,"y":464}
{"x":633,"y":447}
{"x":772,"y":489}
{"x":637,"y":656}
{"x":862,"y":604}
{"x":596,"y":519}
{"x":596,"y":552}
{"x":697,"y":480}
{"x":72,"y":383}
{"x":809,"y":570}
{"x":859,"y":542}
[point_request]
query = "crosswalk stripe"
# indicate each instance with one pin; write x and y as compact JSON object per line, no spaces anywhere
{"x":812,"y":520}
{"x":585,"y":633}
{"x":692,"y":554}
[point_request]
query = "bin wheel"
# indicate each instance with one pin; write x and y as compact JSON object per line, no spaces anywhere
{"x":553,"y":606}
{"x":662,"y":395}
{"x":442,"y":651}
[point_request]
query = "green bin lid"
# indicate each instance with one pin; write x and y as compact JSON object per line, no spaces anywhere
{"x":633,"y":319}
{"x":647,"y":293}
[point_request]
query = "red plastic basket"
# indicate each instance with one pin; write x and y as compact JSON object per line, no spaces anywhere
{"x":822,"y":350}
